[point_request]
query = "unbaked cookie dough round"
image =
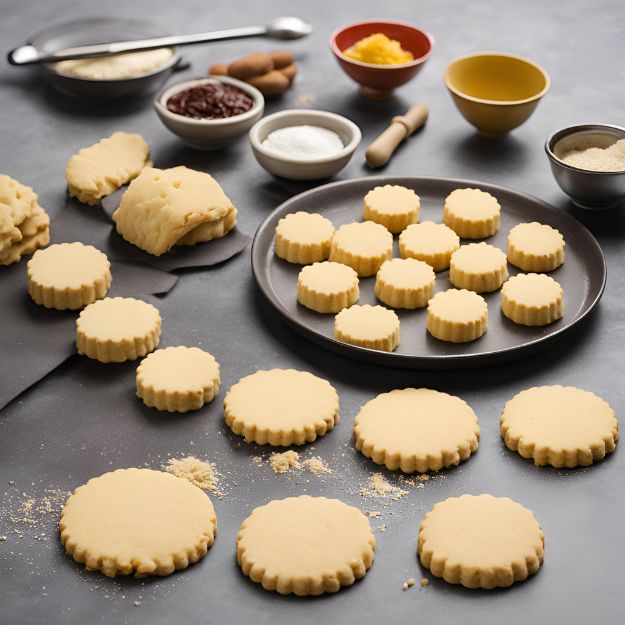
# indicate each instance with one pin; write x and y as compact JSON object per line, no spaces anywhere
{"x":457,"y":316}
{"x":480,"y":541}
{"x":178,"y":379}
{"x":364,"y":246}
{"x":115,"y":329}
{"x":305,"y":545}
{"x":532,"y":299}
{"x":472,"y":213}
{"x":137,"y":521}
{"x":429,"y":242}
{"x":68,"y":276}
{"x":535,"y":247}
{"x":281,"y":407}
{"x":478,"y":267}
{"x":562,"y":426}
{"x":392,"y":206}
{"x":374,"y":327}
{"x":327,"y":287}
{"x":416,"y":430}
{"x":303,"y":238}
{"x":405,"y":283}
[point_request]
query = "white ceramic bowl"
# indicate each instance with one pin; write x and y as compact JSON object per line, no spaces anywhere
{"x":299,"y":168}
{"x":209,"y":134}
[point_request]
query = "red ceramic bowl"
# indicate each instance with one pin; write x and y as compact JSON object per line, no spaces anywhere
{"x":378,"y":81}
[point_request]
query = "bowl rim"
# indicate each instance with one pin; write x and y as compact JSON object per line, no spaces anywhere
{"x":161,"y":105}
{"x":418,"y":61}
{"x":347,"y":150}
{"x":508,"y":55}
{"x":570,"y":130}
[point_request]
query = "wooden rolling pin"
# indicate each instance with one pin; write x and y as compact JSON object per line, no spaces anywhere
{"x":402,"y":126}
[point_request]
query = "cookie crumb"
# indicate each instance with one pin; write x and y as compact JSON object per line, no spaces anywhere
{"x":424,"y":582}
{"x":285,"y":461}
{"x":382,"y":527}
{"x":199,"y":472}
{"x":316,"y":465}
{"x":408,"y":583}
{"x":379,"y":486}
{"x":374,"y":514}
{"x":137,"y":604}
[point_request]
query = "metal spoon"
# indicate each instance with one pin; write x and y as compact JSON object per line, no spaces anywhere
{"x":278,"y":28}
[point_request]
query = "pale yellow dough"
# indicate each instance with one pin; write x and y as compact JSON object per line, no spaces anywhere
{"x":392,"y":206}
{"x":480,"y":541}
{"x":303,"y":238}
{"x":478,"y":267}
{"x":429,"y":242}
{"x":68,"y":276}
{"x":115,"y":329}
{"x":178,"y":379}
{"x":416,"y":430}
{"x":363,"y":246}
{"x":374,"y":327}
{"x":102,"y":168}
{"x":535,"y":247}
{"x":457,"y":316}
{"x":562,"y":426}
{"x":281,"y":407}
{"x":305,"y":545}
{"x":327,"y":287}
{"x":532,"y":299}
{"x":163,"y":207}
{"x":405,"y":283}
{"x":137,"y":521}
{"x":472,"y":213}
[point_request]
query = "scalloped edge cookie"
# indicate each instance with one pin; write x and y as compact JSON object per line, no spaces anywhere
{"x":434,"y":245}
{"x":535,"y":247}
{"x":405,"y":283}
{"x":363,"y":246}
{"x":327,"y":287}
{"x":455,"y":325}
{"x":539,"y":303}
{"x":303,"y":238}
{"x":478,"y":267}
{"x":392,"y":206}
{"x":472,"y":213}
{"x":362,"y":326}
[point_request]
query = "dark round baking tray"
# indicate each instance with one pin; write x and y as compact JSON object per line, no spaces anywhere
{"x":582,"y":276}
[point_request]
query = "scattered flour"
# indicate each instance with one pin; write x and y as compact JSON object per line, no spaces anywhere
{"x":199,"y":472}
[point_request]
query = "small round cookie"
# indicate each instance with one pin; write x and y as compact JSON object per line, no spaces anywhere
{"x":535,"y":247}
{"x":137,"y":521}
{"x":498,"y":542}
{"x":363,"y":246}
{"x":281,"y":407}
{"x":532,"y":299}
{"x":429,"y":242}
{"x":374,"y":327}
{"x":472,"y":213}
{"x":416,"y":430}
{"x":68,"y":276}
{"x":478,"y":267}
{"x":392,"y":206}
{"x":562,"y":426}
{"x":327,"y":287}
{"x":178,"y":379}
{"x":305,"y":545}
{"x":405,"y":283}
{"x":457,"y":316}
{"x":115,"y":329}
{"x":303,"y":238}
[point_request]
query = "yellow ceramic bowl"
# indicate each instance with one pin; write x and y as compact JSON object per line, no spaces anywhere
{"x":495,"y":92}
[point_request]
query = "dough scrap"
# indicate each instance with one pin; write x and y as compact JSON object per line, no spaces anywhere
{"x":327,"y":287}
{"x":562,"y":426}
{"x":162,"y":207}
{"x":115,"y":329}
{"x":363,"y":246}
{"x":178,"y":379}
{"x":472,"y":213}
{"x":68,"y":276}
{"x":28,"y":243}
{"x":457,"y":316}
{"x":392,"y":206}
{"x":98,"y":170}
{"x":416,"y":430}
{"x":137,"y":521}
{"x":281,"y":407}
{"x":429,"y":242}
{"x":374,"y":327}
{"x":535,"y":247}
{"x":532,"y":299}
{"x":405,"y":283}
{"x":305,"y":545}
{"x":480,"y":541}
{"x":478,"y":267}
{"x":303,"y":238}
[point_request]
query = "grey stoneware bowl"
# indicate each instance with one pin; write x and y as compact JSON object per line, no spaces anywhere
{"x":299,"y":168}
{"x":593,"y":190}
